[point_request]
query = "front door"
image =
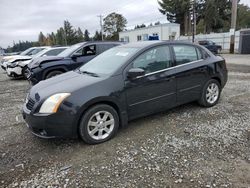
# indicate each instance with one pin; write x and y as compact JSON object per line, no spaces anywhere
{"x":156,"y":90}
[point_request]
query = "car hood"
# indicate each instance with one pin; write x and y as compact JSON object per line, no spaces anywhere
{"x":37,"y":61}
{"x":67,"y":82}
{"x":18,"y":58}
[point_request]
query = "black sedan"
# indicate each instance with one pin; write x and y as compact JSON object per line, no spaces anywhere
{"x":122,"y":84}
{"x":210,"y":45}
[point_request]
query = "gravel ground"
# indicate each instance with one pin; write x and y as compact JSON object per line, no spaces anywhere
{"x":188,"y":146}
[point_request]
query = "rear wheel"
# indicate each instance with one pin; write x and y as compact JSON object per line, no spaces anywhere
{"x":53,"y":73}
{"x":210,"y":94}
{"x":99,"y":124}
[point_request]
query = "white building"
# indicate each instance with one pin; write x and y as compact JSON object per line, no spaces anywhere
{"x":167,"y":31}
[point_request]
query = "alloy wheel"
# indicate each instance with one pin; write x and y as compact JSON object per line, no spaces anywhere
{"x":212,"y":93}
{"x":100,"y":125}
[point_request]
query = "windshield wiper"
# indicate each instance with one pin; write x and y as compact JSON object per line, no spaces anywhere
{"x":90,"y":73}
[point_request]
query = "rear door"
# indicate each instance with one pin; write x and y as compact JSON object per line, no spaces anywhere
{"x":191,"y":72}
{"x":156,"y":90}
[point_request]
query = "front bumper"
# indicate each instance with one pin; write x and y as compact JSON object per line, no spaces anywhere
{"x":34,"y":75}
{"x":58,"y":125}
{"x":14,"y":71}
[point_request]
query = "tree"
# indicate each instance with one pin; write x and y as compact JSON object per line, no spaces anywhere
{"x":97,"y":36}
{"x":86,"y":35}
{"x":243,"y":17}
{"x":212,"y":15}
{"x":61,"y":37}
{"x":41,"y":39}
{"x":70,"y":33}
{"x":113,"y":24}
{"x":216,"y":15}
{"x":140,"y":26}
{"x":79,"y":34}
{"x":52,"y":38}
{"x":177,"y":11}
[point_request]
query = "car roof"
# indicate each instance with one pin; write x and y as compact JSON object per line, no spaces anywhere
{"x":144,"y":44}
{"x":104,"y":42}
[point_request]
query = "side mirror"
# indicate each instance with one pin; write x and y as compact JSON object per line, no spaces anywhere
{"x":75,"y":56}
{"x":135,"y":72}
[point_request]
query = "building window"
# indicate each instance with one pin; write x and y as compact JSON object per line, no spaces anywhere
{"x":139,"y":38}
{"x":126,"y":39}
{"x":145,"y":37}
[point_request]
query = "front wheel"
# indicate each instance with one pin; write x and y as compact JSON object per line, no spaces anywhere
{"x":99,"y":124}
{"x":210,"y":94}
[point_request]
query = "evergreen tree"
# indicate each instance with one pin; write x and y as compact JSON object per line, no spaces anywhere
{"x":61,"y":37}
{"x":97,"y":36}
{"x":80,"y":36}
{"x":41,"y":39}
{"x":86,"y":35}
{"x":70,"y":33}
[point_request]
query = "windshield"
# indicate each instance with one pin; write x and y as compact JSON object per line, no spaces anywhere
{"x":41,"y":53}
{"x":70,"y":50}
{"x":27,"y":51}
{"x":109,"y":61}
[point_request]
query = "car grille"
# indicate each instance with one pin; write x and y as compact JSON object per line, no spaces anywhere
{"x":30,"y":104}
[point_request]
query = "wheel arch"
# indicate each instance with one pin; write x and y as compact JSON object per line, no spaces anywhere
{"x":123,"y":119}
{"x":54,"y":68}
{"x":218,"y":79}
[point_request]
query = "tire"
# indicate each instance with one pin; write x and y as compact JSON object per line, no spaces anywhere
{"x":94,"y":120}
{"x":210,"y":93}
{"x":53,"y":73}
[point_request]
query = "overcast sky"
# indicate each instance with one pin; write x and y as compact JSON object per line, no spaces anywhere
{"x":24,"y":19}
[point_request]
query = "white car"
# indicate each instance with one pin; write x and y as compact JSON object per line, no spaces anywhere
{"x":18,"y":67}
{"x":25,"y":55}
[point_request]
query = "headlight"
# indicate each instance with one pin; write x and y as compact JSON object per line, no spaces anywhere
{"x":52,"y":103}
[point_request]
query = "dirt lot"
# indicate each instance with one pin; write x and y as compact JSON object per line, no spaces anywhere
{"x":188,"y":146}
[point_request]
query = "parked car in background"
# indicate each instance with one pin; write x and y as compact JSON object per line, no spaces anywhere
{"x":121,"y":84}
{"x":26,"y":55}
{"x":210,"y":45}
{"x":72,"y":58}
{"x":19,"y":68}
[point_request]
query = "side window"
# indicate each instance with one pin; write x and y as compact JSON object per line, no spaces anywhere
{"x":153,"y":60}
{"x":199,"y":55}
{"x":54,"y":52}
{"x":103,"y":47}
{"x":86,"y":51}
{"x":185,"y":54}
{"x":89,"y":50}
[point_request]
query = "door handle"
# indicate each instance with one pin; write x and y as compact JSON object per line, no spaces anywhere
{"x":170,"y":78}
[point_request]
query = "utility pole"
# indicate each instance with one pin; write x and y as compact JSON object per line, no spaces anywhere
{"x":233,"y":25}
{"x":100,"y":16}
{"x":194,"y":21}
